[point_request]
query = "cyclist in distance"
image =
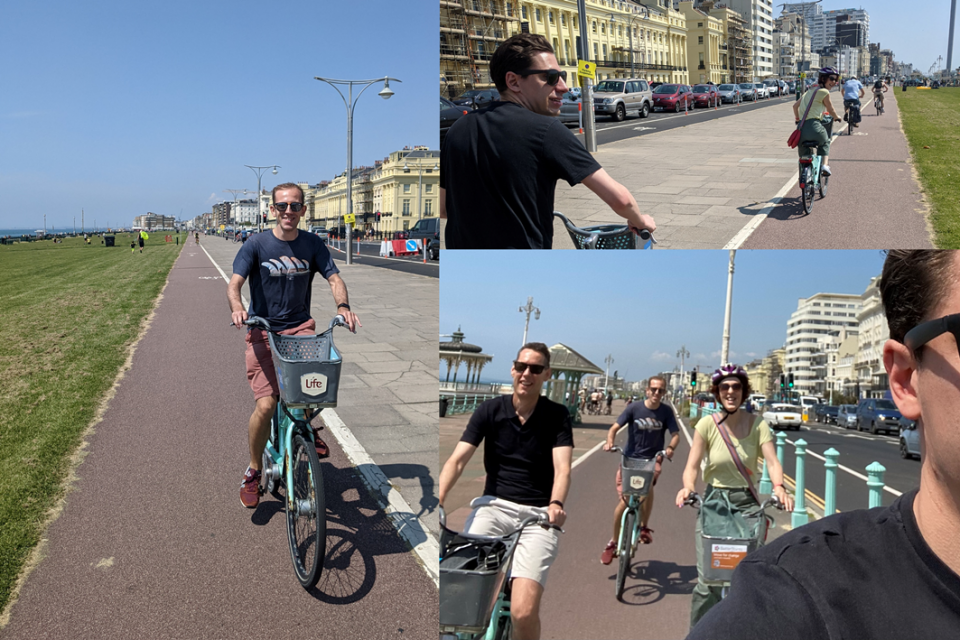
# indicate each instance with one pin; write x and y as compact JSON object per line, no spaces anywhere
{"x":500,"y":164}
{"x":750,"y":438}
{"x":527,"y":458}
{"x":830,"y":578}
{"x":647,"y":423}
{"x":853,"y":92}
{"x":816,"y":128}
{"x":280,"y":265}
{"x":879,"y":88}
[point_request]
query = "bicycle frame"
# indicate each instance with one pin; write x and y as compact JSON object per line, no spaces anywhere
{"x":286,"y":424}
{"x":633,"y":505}
{"x":814,"y":163}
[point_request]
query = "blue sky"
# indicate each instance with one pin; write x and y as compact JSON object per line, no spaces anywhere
{"x":639,"y":307}
{"x":916,"y":32}
{"x":121,"y":108}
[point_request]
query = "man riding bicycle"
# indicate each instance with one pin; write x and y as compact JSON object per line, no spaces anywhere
{"x":646,"y":424}
{"x":818,"y":127}
{"x":879,"y":88}
{"x":527,"y":457}
{"x":280,"y":265}
{"x":853,"y":92}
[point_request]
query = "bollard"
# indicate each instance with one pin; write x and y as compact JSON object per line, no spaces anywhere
{"x":781,"y":443}
{"x":830,"y":499}
{"x":766,"y":486}
{"x":875,"y":472}
{"x":799,"y":516}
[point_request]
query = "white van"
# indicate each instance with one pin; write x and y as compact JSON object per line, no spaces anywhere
{"x":757,"y":400}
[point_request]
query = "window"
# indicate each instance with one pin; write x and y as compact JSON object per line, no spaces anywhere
{"x":699,"y":39}
{"x":594,"y":27}
{"x":427,"y":207}
{"x":604,"y":52}
{"x":550,"y":16}
{"x":563,"y":19}
{"x":429,"y":188}
{"x":406,"y":209}
{"x":603,"y":28}
{"x":699,"y":24}
{"x":406,"y":188}
{"x":539,"y":19}
{"x":523,"y":12}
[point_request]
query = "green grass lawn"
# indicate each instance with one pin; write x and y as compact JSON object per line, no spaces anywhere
{"x":68,"y":312}
{"x":931,"y":120}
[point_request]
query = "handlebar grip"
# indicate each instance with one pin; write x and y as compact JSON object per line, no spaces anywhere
{"x":645,"y":234}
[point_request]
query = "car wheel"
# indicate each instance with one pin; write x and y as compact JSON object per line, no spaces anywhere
{"x":873,"y":428}
{"x":903,"y":450}
{"x":621,"y":113}
{"x":859,"y":428}
{"x":644,"y":110}
{"x":676,"y":108}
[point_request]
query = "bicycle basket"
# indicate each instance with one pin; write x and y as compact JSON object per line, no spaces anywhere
{"x":308,"y":369}
{"x":605,"y":236}
{"x":636,"y":475}
{"x":722,"y":554}
{"x":471,"y":577}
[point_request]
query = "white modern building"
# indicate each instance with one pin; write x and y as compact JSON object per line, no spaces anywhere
{"x":874,"y":332}
{"x":816,"y":318}
{"x":244,"y":212}
{"x":822,"y":25}
{"x":758,"y":14}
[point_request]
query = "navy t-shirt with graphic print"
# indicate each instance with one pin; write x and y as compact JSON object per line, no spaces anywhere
{"x":645,"y":428}
{"x":280,"y":273}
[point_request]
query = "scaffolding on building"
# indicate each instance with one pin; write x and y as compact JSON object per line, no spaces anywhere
{"x":470,"y":31}
{"x":740,"y":44}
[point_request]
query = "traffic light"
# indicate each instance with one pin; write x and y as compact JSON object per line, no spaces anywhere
{"x":790,"y":381}
{"x":693,"y":378}
{"x":782,"y":381}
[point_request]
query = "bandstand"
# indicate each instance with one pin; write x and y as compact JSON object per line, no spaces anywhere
{"x":568,"y":368}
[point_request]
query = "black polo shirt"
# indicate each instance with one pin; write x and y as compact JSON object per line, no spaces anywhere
{"x":519,"y":458}
{"x":500,"y":166}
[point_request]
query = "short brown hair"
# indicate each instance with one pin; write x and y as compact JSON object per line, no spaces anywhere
{"x":515,"y":55}
{"x":540,"y":348}
{"x":286,"y":185}
{"x":660,"y":378}
{"x":912,"y":285}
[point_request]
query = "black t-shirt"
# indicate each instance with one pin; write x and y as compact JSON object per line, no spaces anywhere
{"x":500,"y":166}
{"x":646,"y":428}
{"x":519,"y":458}
{"x":281,"y":274}
{"x":860,"y":575}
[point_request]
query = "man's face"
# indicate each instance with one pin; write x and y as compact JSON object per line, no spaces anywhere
{"x":937,"y":384}
{"x":287,"y":220}
{"x":528,"y":384}
{"x":656,"y":391}
{"x":534,"y":93}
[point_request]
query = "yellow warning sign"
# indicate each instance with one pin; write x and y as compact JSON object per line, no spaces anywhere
{"x":349,"y":218}
{"x":587,"y":69}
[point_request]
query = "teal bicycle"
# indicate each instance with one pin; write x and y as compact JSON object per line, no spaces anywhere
{"x":812,"y":178}
{"x":636,"y":475}
{"x":308,"y":373}
{"x":475,"y":582}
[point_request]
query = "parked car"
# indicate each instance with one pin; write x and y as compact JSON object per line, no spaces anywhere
{"x":762,"y":90}
{"x":792,"y":86}
{"x":730,"y":93}
{"x":706,"y":95}
{"x":428,"y":229}
{"x":570,"y":109}
{"x":783,"y":416}
{"x":909,"y":439}
{"x":672,"y":97}
{"x":449,"y":113}
{"x":616,"y":98}
{"x":320,"y":231}
{"x":847,"y":416}
{"x":654,"y":85}
{"x":773,"y":87}
{"x":476,"y":98}
{"x":827,"y":413}
{"x":748,"y":91}
{"x":878,"y":415}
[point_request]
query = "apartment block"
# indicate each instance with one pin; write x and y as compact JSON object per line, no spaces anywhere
{"x":816,"y":318}
{"x":869,"y":369}
{"x":758,"y":16}
{"x":707,"y":46}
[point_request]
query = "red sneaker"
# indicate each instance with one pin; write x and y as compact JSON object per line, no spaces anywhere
{"x":250,"y":488}
{"x":645,"y":536}
{"x":608,"y":553}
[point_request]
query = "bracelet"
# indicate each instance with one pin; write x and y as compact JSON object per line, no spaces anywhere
{"x":344,"y":305}
{"x":778,"y":485}
{"x":557,"y":502}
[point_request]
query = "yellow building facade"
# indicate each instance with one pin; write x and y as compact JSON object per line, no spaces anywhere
{"x":406,"y":188}
{"x":706,"y":46}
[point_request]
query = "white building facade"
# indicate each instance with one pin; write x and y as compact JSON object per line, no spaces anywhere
{"x":815,"y":319}
{"x":758,"y":14}
{"x":870,"y":372}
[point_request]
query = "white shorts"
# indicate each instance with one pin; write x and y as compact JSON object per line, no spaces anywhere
{"x":537,"y":547}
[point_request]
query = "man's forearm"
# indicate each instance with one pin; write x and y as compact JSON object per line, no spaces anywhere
{"x":448,"y":477}
{"x":339,"y":289}
{"x":233,"y":298}
{"x":561,"y":485}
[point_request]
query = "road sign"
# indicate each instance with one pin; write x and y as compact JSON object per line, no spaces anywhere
{"x":349,"y":218}
{"x":587,"y":69}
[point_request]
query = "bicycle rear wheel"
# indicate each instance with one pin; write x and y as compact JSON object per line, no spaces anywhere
{"x":823,"y":185}
{"x":307,"y":518}
{"x":806,"y":189}
{"x":626,"y":535}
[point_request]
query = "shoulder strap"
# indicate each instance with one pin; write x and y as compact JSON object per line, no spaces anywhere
{"x":804,"y":118}
{"x":736,"y":458}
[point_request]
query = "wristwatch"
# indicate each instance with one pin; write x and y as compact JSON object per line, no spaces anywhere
{"x":344,"y":305}
{"x":557,"y":502}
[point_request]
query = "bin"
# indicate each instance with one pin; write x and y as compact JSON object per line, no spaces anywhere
{"x":443,"y":406}
{"x":108,"y":241}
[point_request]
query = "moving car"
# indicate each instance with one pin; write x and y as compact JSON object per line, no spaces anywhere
{"x":909,"y":439}
{"x":827,"y":413}
{"x":706,"y":95}
{"x":878,"y":415}
{"x":729,"y":93}
{"x":428,"y":229}
{"x":783,"y":416}
{"x":616,"y":98}
{"x":476,"y":98}
{"x":847,"y":416}
{"x":748,"y":91}
{"x":673,"y":97}
{"x":449,"y":113}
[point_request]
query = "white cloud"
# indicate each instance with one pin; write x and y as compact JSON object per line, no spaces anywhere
{"x":662,"y":356}
{"x":213,"y":196}
{"x":732,"y":356}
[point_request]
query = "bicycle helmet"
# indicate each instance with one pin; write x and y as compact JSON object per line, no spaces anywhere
{"x":729,"y":371}
{"x":825,"y":72}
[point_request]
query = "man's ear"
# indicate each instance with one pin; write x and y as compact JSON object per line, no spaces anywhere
{"x":513,"y":81}
{"x":901,"y":369}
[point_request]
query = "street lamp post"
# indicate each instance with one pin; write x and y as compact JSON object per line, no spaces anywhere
{"x":235,"y":193}
{"x":259,"y":171}
{"x":350,"y":103}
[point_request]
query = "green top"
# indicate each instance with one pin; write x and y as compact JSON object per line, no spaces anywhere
{"x":721,"y":470}
{"x":818,"y":108}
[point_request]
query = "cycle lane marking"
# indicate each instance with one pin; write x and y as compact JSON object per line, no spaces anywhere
{"x":425,"y":547}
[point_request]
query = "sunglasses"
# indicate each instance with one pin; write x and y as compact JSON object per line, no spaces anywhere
{"x":552,"y":75}
{"x":927,"y":331}
{"x":535,"y":369}
{"x":296,"y":207}
{"x":732,"y":386}
{"x":657,"y":390}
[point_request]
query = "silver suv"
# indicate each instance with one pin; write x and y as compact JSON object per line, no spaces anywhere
{"x":618,"y":96}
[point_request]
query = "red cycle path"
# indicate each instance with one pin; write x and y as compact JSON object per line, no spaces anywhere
{"x":153,"y":541}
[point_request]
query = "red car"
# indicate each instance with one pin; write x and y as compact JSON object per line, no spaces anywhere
{"x":673,"y":97}
{"x":706,"y":95}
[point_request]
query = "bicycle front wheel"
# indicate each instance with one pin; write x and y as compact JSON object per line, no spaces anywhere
{"x":626,"y":540}
{"x":306,"y":513}
{"x":823,"y":185}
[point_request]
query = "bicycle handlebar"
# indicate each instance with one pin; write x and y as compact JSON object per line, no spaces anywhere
{"x":660,"y":454}
{"x":694,"y":500}
{"x":539,"y":519}
{"x":256,"y":321}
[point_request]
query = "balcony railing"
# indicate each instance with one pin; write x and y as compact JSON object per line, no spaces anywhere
{"x":637,"y":64}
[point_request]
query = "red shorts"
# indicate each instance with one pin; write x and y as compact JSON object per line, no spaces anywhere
{"x":656,"y":474}
{"x":260,"y":371}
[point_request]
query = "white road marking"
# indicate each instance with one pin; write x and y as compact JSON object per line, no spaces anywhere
{"x":410,"y":527}
{"x":851,"y":471}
